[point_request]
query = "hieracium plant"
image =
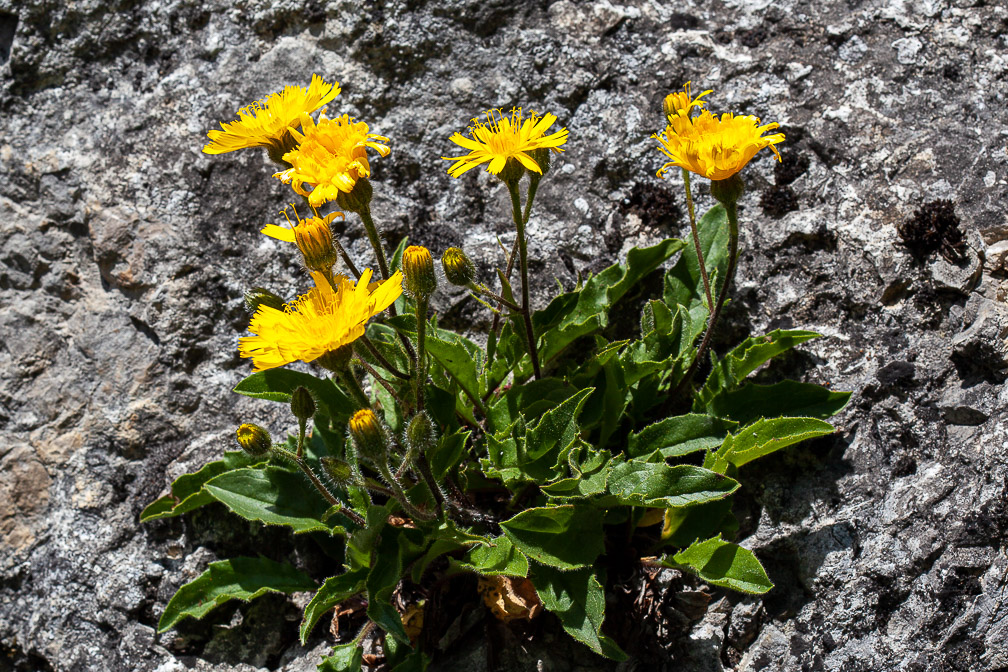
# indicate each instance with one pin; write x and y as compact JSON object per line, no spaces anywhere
{"x":535,"y":456}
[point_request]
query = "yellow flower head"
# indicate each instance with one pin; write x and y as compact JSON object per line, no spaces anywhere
{"x":317,"y":322}
{"x":713,"y":147}
{"x":312,"y":236}
{"x":268,"y":123}
{"x":418,"y":272}
{"x":330,"y":157}
{"x":681,"y":103}
{"x":501,"y":138}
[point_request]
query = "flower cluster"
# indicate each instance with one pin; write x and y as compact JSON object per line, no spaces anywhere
{"x":713,"y":147}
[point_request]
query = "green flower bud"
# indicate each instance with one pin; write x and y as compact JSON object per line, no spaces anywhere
{"x":458,"y":268}
{"x":358,"y":198}
{"x":254,"y":440}
{"x":420,"y":434}
{"x":418,"y":272}
{"x":368,"y":436}
{"x":542,"y":156}
{"x":727,"y":191}
{"x":340,"y":471}
{"x":260,"y":296}
{"x":302,"y":404}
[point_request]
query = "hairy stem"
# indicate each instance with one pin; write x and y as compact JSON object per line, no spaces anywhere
{"x":315,"y":481}
{"x":733,"y":238}
{"x":696,"y":240}
{"x":523,"y":264}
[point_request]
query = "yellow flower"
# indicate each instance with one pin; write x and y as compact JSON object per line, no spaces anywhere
{"x":317,"y":322}
{"x":330,"y":157}
{"x":268,"y":123}
{"x":681,"y":103}
{"x":312,"y":236}
{"x":501,"y":138}
{"x":712,"y":147}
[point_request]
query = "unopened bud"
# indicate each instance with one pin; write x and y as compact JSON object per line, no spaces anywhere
{"x":260,"y":296}
{"x":542,"y":157}
{"x":420,"y":434}
{"x":458,"y":268}
{"x":418,"y":272}
{"x":314,"y":239}
{"x":368,"y":435}
{"x":358,"y":198}
{"x":338,"y":470}
{"x":727,"y":191}
{"x":302,"y":404}
{"x":337,"y":360}
{"x":254,"y":440}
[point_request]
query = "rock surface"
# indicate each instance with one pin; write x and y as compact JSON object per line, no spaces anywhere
{"x":125,"y":253}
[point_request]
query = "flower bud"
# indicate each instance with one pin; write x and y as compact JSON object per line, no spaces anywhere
{"x":368,"y":436}
{"x":340,"y":471}
{"x":358,"y":198}
{"x":458,"y":268}
{"x":337,"y":360}
{"x":727,"y":191}
{"x":260,"y":296}
{"x":314,"y":239}
{"x":418,"y":272}
{"x":302,"y":404}
{"x":542,"y":157}
{"x":254,"y":440}
{"x":420,"y":434}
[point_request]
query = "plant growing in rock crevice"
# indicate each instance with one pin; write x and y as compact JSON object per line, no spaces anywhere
{"x":528,"y":461}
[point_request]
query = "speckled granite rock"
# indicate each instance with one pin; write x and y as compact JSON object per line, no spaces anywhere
{"x":125,"y":252}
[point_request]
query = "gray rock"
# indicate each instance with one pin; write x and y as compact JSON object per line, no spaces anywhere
{"x":125,"y":253}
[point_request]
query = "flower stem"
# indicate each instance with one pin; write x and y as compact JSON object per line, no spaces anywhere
{"x":381,"y":381}
{"x":349,"y":381}
{"x":421,"y":360}
{"x":732,"y":210}
{"x":696,"y":240}
{"x":533,"y":187}
{"x":387,"y":365}
{"x":523,"y":264}
{"x":372,"y":232}
{"x":315,"y":481}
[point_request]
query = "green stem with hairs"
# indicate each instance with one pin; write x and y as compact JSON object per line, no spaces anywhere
{"x":696,"y":240}
{"x":733,"y":239}
{"x":526,"y":311}
{"x":315,"y":481}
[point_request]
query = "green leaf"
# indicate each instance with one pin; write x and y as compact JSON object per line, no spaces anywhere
{"x":496,"y":557}
{"x":590,"y":311}
{"x":279,"y":384}
{"x":415,"y":661}
{"x":565,"y":537}
{"x":556,"y":428}
{"x":588,"y":473}
{"x":723,"y":564}
{"x":460,"y":357}
{"x":332,"y":592}
{"x":187,"y":491}
{"x":639,"y":483}
{"x":236,"y":579}
{"x":344,"y":658}
{"x":746,"y":358}
{"x":272,"y":496}
{"x":578,"y":600}
{"x":447,"y":453}
{"x":764,"y":437}
{"x":679,"y":435}
{"x":397,"y":548}
{"x":683,"y":526}
{"x":752,"y":402}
